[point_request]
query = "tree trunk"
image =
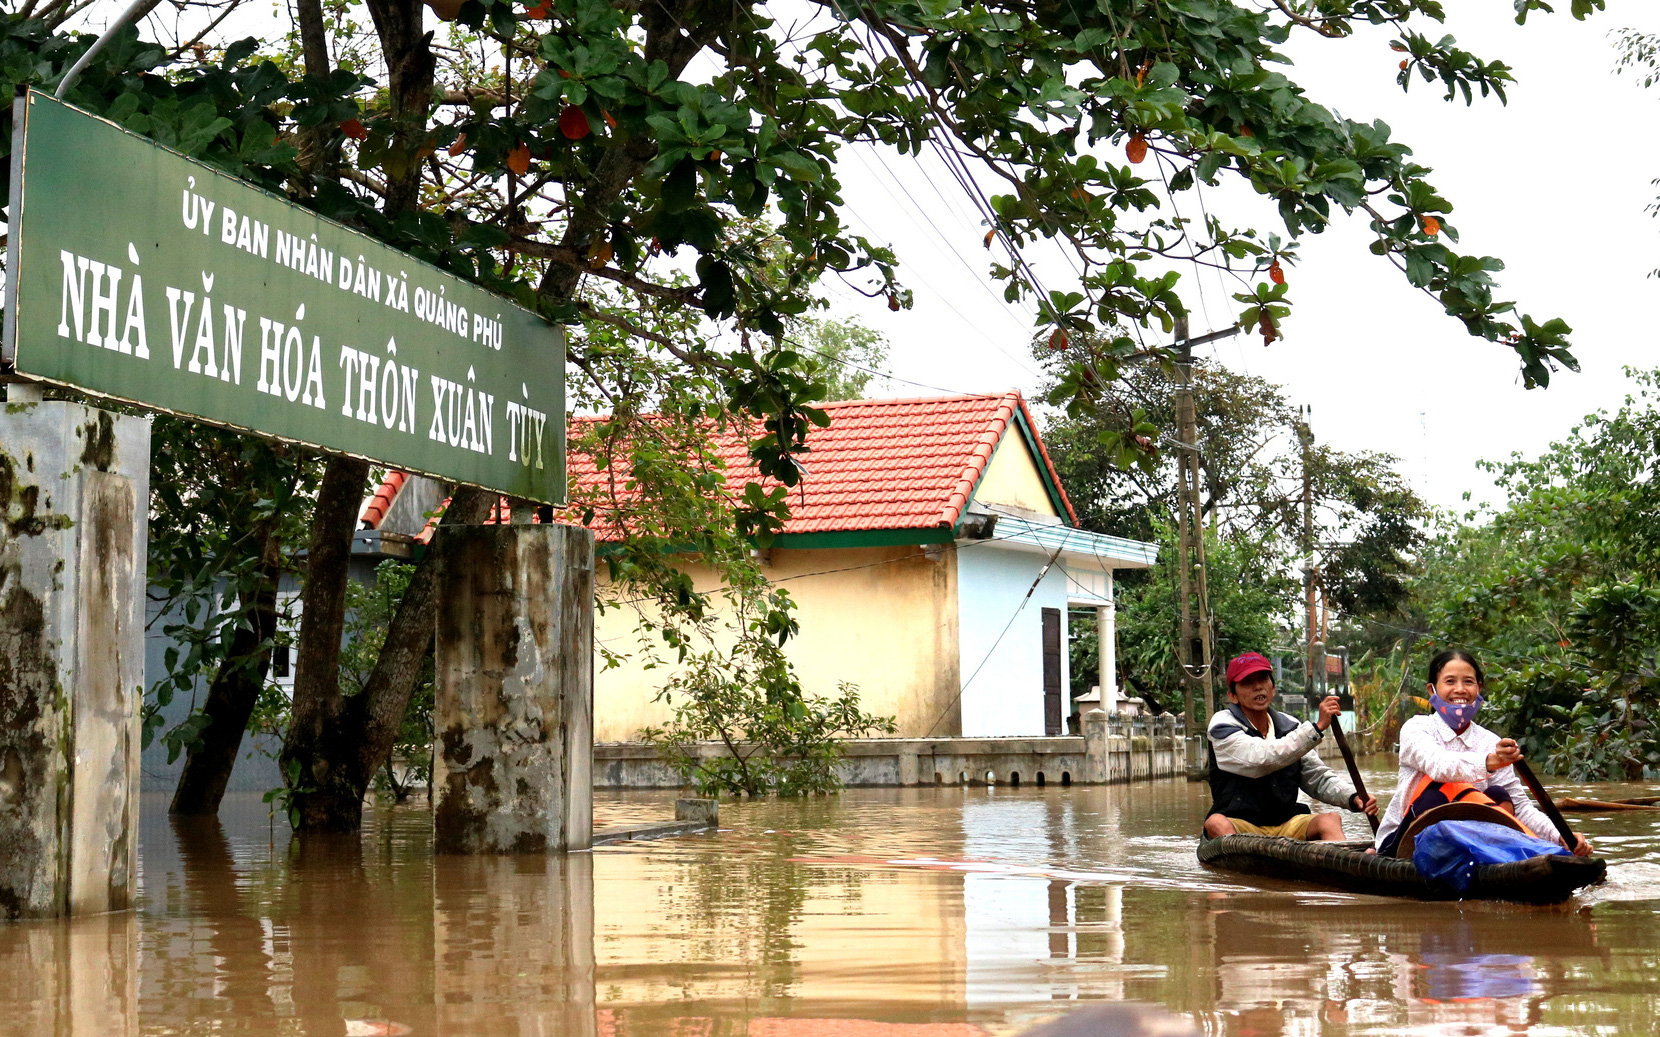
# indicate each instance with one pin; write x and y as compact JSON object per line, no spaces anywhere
{"x":232,"y":696}
{"x":408,"y":640}
{"x":341,"y":742}
{"x":317,"y":739}
{"x":326,"y":734}
{"x":410,"y":66}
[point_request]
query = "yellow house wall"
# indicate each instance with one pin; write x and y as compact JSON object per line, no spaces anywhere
{"x":886,"y":621}
{"x":1012,"y":477}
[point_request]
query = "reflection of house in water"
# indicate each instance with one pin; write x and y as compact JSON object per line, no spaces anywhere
{"x":749,"y":932}
{"x":1284,"y":968}
{"x":978,"y":930}
{"x":1026,"y":934}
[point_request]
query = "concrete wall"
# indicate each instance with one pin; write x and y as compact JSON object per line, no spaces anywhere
{"x":883,"y":618}
{"x":1114,"y":749}
{"x":1128,"y":749}
{"x":512,"y":714}
{"x":1001,"y":646}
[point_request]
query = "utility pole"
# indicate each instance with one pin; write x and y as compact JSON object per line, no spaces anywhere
{"x":1311,"y":681}
{"x":1196,"y":637}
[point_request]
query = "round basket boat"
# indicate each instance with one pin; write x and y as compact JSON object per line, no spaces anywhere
{"x":1347,"y":865}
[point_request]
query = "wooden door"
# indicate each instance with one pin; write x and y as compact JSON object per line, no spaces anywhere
{"x":1052,"y":718}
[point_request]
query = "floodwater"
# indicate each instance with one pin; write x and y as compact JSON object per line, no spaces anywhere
{"x":877,"y":913}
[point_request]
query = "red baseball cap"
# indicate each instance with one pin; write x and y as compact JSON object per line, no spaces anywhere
{"x":1244,"y":665}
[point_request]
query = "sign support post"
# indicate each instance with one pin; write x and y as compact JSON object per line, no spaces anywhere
{"x":74,"y":501}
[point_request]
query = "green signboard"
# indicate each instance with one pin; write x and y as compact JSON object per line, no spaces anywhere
{"x":141,"y":275}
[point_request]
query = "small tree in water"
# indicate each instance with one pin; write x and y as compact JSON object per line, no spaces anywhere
{"x":741,"y":722}
{"x":786,"y":743}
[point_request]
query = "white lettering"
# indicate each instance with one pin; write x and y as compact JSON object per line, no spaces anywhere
{"x":293,"y":363}
{"x":231,"y":369}
{"x":135,"y":321}
{"x":74,"y":296}
{"x":270,"y":356}
{"x":180,"y":321}
{"x":204,"y":344}
{"x":314,"y":375}
{"x":348,"y":362}
{"x":368,"y":366}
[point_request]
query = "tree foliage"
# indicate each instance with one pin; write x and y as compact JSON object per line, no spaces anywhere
{"x":1559,"y":592}
{"x":624,"y":167}
{"x":845,"y":354}
{"x":225,"y":509}
{"x":1366,"y":518}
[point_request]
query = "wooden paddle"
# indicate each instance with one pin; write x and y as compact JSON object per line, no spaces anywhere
{"x":1354,"y":771}
{"x":1524,"y":772}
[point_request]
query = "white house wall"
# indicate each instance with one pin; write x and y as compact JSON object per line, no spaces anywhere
{"x":1003,"y":693}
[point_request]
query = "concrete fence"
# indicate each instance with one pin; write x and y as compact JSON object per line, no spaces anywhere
{"x":1114,"y":749}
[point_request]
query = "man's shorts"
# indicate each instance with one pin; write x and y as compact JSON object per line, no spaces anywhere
{"x":1296,"y":828}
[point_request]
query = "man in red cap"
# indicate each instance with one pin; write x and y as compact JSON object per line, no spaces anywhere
{"x":1259,"y":759}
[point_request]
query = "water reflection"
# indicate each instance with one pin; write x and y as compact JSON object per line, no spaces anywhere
{"x":77,"y":979}
{"x":914,"y":913}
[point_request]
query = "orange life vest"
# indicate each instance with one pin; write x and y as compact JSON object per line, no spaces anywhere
{"x":1459,"y":792}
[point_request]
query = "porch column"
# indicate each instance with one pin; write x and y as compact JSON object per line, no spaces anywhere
{"x":1106,"y":627}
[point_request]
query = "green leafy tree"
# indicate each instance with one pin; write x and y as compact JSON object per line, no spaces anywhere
{"x":226,"y":509}
{"x":1558,"y":589}
{"x":1250,"y":591}
{"x":544,"y":152}
{"x":844,"y":354}
{"x":1367,"y":520}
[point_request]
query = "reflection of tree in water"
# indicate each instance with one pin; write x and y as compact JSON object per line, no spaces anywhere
{"x":747,"y":900}
{"x":744,"y":903}
{"x":236,"y":934}
{"x":357,"y":910}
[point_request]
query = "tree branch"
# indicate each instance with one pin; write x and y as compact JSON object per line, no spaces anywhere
{"x":571,"y":257}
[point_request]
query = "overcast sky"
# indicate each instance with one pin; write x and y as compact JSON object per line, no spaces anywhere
{"x":1555,"y":184}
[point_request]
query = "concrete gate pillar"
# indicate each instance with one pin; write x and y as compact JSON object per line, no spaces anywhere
{"x":74,"y":507}
{"x":513,"y":767}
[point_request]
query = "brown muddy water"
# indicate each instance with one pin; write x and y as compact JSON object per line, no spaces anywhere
{"x":877,"y":913}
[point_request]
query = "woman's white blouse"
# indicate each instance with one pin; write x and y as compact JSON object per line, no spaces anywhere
{"x":1429,"y":746}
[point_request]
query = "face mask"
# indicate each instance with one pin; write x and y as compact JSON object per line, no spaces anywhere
{"x":1455,"y":717}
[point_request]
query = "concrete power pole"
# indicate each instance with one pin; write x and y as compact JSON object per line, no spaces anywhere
{"x":1312,"y":680}
{"x":1197,"y":633}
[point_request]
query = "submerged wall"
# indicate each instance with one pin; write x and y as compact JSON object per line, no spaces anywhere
{"x":1114,"y":749}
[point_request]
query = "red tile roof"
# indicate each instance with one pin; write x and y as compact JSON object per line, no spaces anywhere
{"x":385,"y":494}
{"x":881,"y":464}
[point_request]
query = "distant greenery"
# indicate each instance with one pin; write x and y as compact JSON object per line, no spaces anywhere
{"x":1558,"y":592}
{"x":843,"y":354}
{"x":1366,"y":519}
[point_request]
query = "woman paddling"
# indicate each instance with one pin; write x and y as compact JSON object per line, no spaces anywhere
{"x":1448,"y":758}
